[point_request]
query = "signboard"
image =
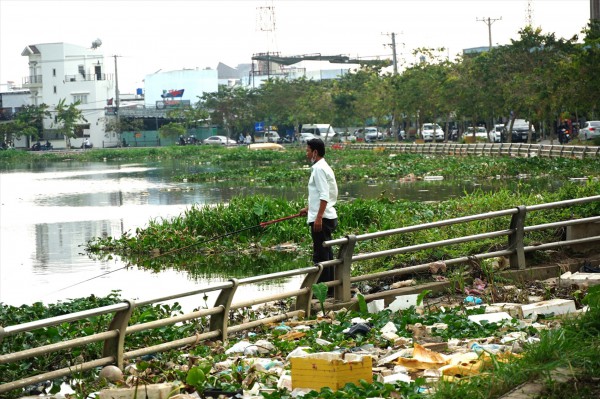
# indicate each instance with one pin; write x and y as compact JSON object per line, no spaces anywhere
{"x":259,"y":126}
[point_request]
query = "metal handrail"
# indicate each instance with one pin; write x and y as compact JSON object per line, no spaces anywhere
{"x":498,"y":149}
{"x":220,"y":328}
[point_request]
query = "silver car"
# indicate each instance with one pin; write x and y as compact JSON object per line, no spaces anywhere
{"x":219,"y":140}
{"x":590,"y":130}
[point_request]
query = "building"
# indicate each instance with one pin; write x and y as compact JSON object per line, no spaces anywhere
{"x":168,"y":88}
{"x":10,"y":103}
{"x":66,"y":71}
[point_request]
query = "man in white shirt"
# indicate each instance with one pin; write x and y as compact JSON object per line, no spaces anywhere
{"x":322,"y":196}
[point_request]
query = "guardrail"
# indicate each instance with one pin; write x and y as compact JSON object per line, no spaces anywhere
{"x":491,"y":149}
{"x":115,"y":349}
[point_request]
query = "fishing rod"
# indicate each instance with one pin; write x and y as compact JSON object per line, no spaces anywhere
{"x":262,"y":224}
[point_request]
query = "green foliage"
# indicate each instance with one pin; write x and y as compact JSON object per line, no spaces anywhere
{"x":362,"y":304}
{"x":320,"y":292}
{"x":173,"y":129}
{"x":68,"y":116}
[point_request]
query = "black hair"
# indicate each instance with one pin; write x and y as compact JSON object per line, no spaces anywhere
{"x":317,"y":144}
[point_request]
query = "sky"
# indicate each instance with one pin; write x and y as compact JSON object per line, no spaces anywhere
{"x":152,"y":35}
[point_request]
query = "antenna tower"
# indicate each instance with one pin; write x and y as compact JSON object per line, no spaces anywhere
{"x":265,"y":22}
{"x":529,"y":14}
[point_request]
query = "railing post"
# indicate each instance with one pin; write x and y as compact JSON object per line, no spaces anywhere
{"x":115,"y":346}
{"x":303,"y":301}
{"x":343,"y":272}
{"x":220,"y":321}
{"x":515,"y":239}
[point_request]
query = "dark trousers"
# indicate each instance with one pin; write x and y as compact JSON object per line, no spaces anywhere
{"x":320,"y":253}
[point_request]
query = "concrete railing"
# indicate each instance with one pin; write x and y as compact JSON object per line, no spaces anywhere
{"x":490,"y":149}
{"x":115,"y":346}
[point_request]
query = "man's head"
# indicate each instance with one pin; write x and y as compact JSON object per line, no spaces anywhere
{"x":315,"y":145}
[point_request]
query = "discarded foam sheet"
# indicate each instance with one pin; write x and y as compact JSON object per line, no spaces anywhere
{"x":568,"y":279}
{"x":403,"y":302}
{"x":376,"y":306}
{"x":553,"y":306}
{"x":490,"y":317}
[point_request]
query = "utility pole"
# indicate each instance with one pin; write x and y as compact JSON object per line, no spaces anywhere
{"x":117,"y":116}
{"x":394,"y":56}
{"x":116,"y":86}
{"x":489,"y":21}
{"x":395,"y":64}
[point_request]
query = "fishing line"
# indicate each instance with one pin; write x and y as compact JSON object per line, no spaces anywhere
{"x":262,"y":224}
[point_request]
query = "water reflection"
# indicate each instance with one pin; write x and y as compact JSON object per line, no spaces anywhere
{"x":48,"y":212}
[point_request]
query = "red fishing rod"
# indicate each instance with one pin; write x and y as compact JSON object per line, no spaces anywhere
{"x":262,"y":224}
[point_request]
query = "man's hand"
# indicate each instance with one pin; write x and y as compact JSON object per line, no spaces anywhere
{"x":318,"y":225}
{"x":303,"y":212}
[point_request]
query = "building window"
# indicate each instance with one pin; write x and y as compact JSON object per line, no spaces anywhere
{"x":81,"y":70}
{"x":54,"y":72}
{"x":82,"y":98}
{"x":54,"y":89}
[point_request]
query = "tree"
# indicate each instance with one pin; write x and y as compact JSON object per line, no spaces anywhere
{"x":173,"y":129}
{"x":29,"y":121}
{"x":120,"y":125}
{"x":230,"y":108}
{"x":68,"y":117}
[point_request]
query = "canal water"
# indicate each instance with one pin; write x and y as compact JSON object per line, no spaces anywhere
{"x":48,"y":213}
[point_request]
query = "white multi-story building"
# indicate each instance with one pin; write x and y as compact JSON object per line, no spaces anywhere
{"x":73,"y":73}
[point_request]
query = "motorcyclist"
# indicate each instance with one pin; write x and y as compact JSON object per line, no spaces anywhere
{"x":563,"y":132}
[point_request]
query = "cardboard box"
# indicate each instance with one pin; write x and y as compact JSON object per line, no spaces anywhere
{"x":330,"y":370}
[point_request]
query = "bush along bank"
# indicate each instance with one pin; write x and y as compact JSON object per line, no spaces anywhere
{"x":187,"y":242}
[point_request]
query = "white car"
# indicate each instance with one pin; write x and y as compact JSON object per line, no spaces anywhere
{"x":372,"y":134}
{"x":272,"y":137}
{"x":432,"y":132}
{"x":496,"y":133}
{"x":304,"y":137}
{"x":590,"y":130}
{"x":480,"y":132}
{"x":218,"y":140}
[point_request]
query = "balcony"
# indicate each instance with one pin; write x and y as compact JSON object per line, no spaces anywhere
{"x":87,"y":77}
{"x":32,"y":81}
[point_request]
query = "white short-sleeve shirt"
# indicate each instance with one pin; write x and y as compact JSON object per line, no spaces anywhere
{"x":321,"y":186}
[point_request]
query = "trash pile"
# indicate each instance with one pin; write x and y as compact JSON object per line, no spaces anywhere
{"x":300,"y":355}
{"x":410,"y":343}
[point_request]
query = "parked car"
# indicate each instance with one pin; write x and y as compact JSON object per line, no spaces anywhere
{"x":520,"y":131}
{"x":497,"y":133}
{"x":323,"y":131}
{"x":304,"y":137}
{"x":590,"y":130}
{"x":480,"y":132}
{"x":372,"y":134}
{"x":272,"y":137}
{"x":218,"y":140}
{"x":432,"y":132}
{"x":347,"y":137}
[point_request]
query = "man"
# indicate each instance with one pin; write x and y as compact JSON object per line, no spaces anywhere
{"x":322,"y":196}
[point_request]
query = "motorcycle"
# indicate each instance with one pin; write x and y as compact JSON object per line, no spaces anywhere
{"x":566,"y":135}
{"x":86,"y":146}
{"x":41,"y":147}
